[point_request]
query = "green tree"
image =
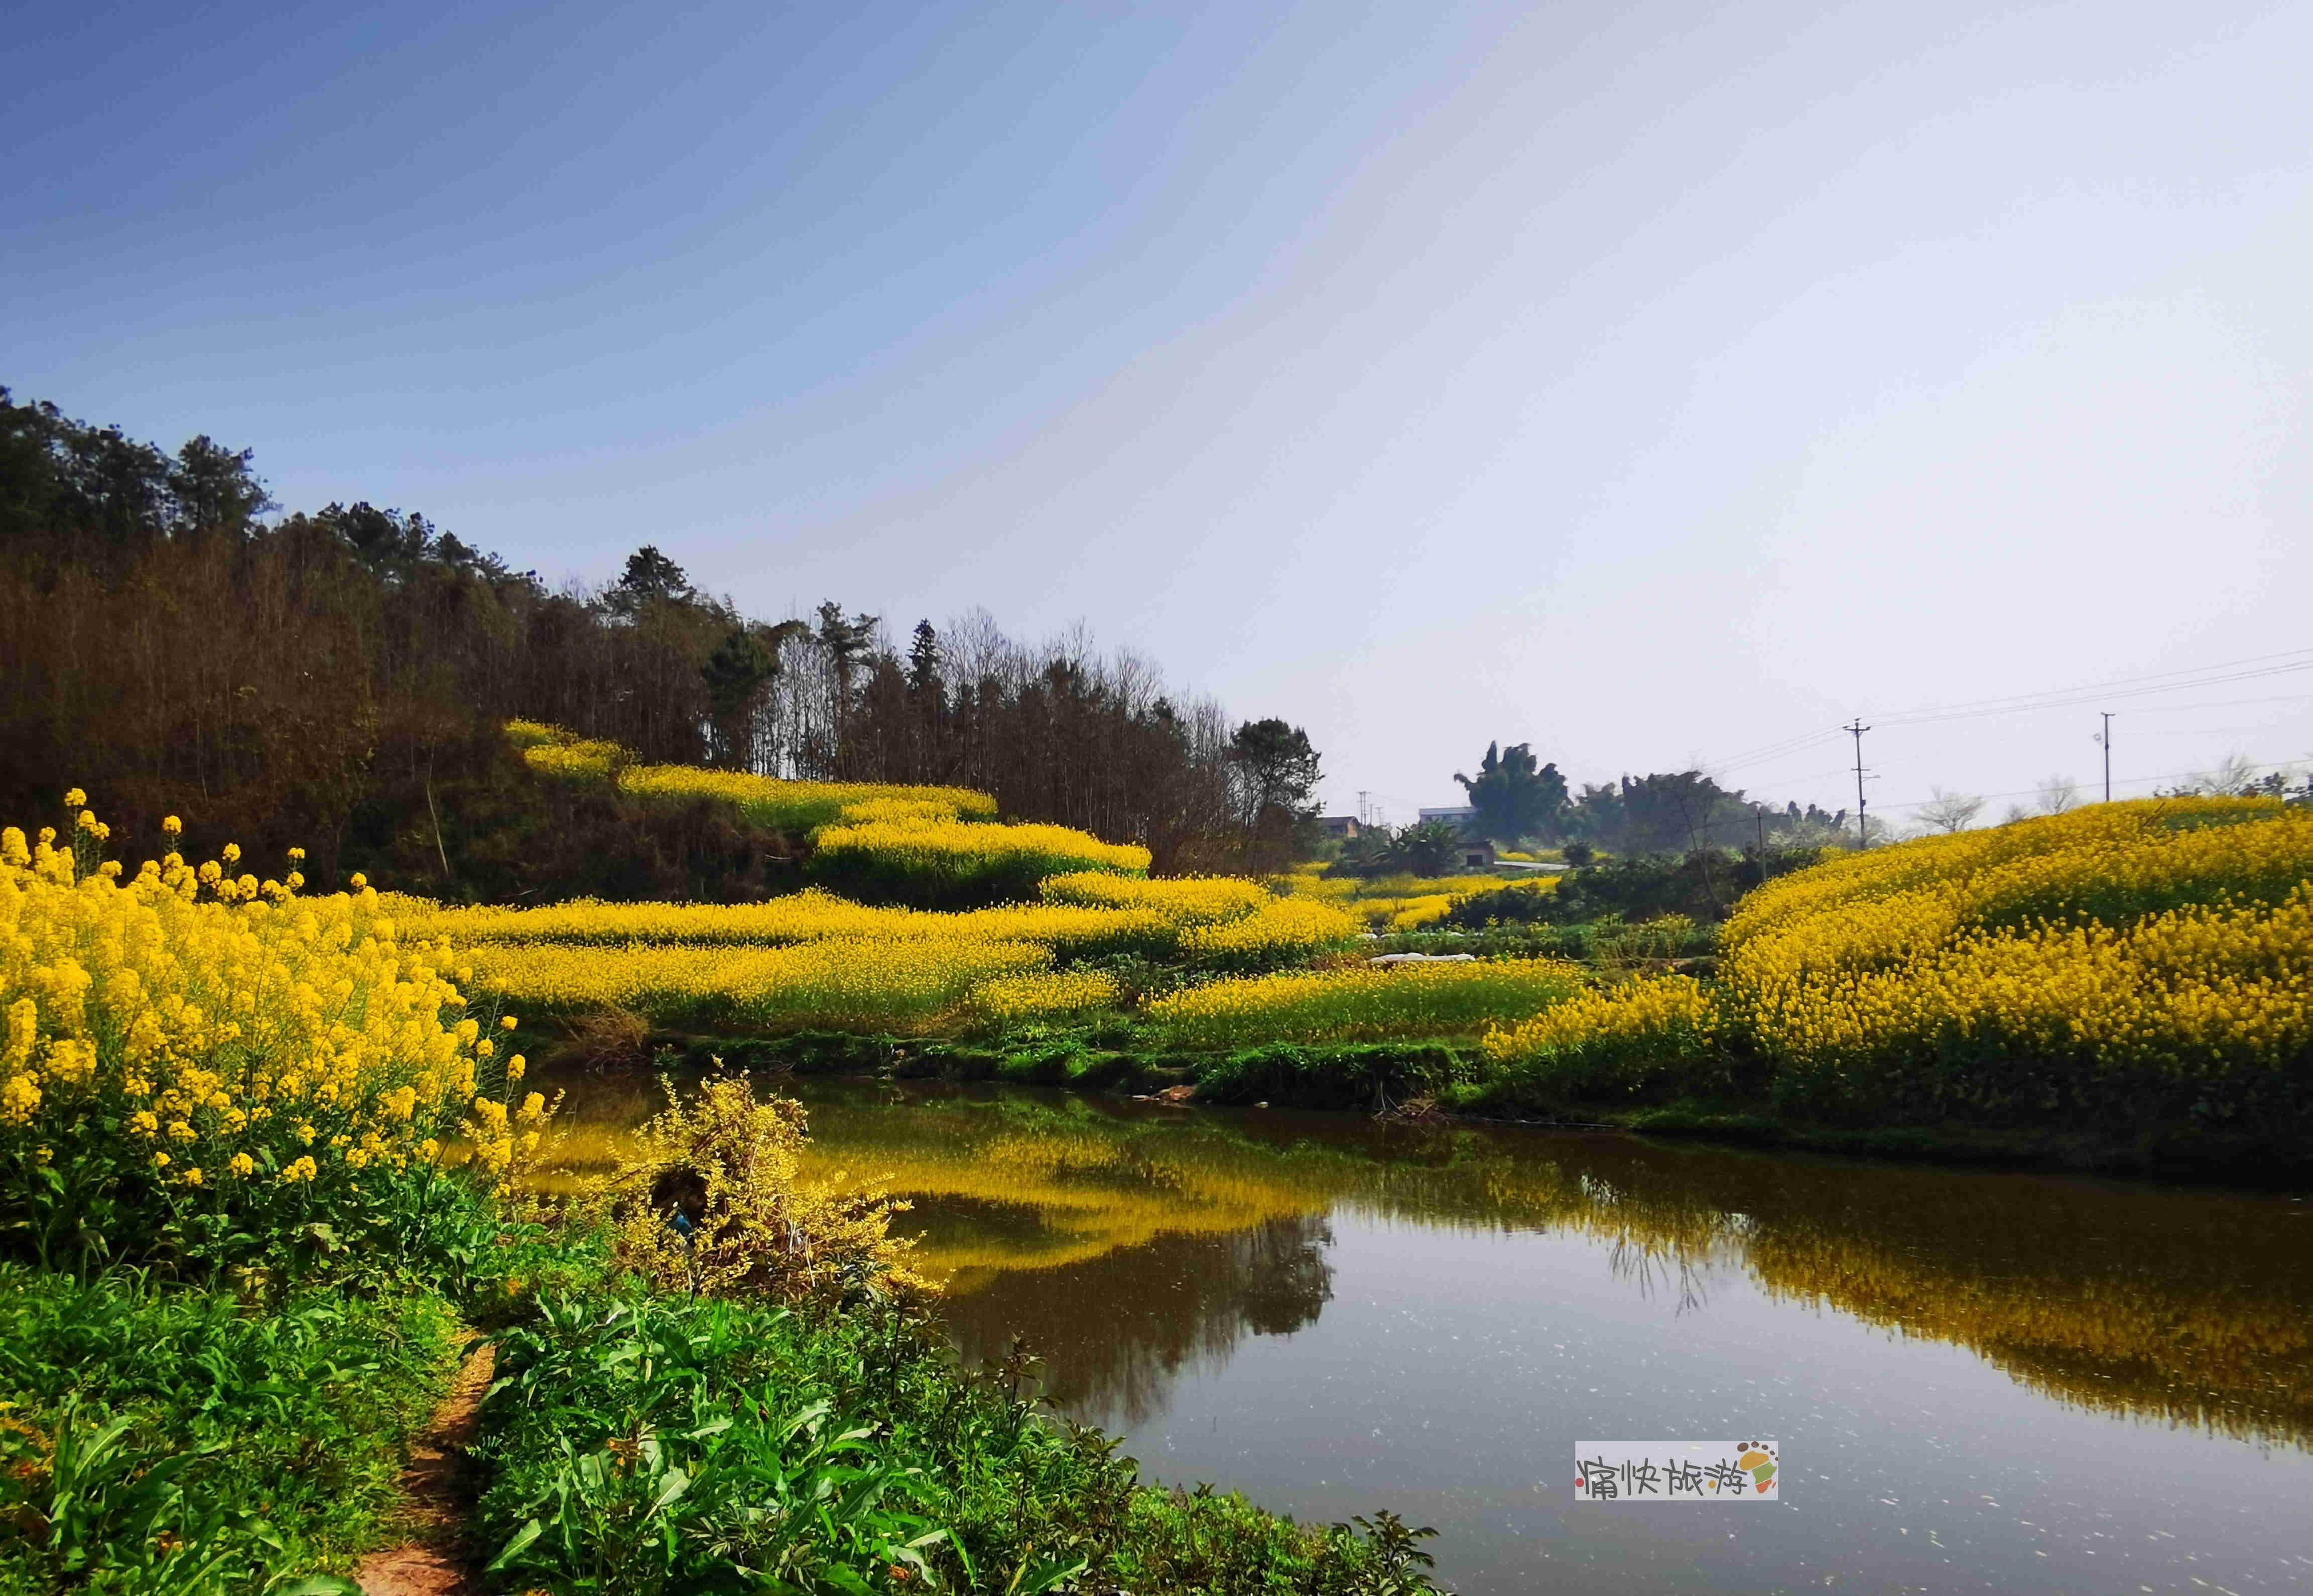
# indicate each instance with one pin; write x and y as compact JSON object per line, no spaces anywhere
{"x":1427,"y":849}
{"x":650,"y":577}
{"x":1276,"y":769}
{"x":1515,"y":796}
{"x":734,"y":674}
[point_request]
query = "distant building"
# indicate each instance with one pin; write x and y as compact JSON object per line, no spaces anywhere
{"x":1474,"y":852}
{"x":1341,"y":826}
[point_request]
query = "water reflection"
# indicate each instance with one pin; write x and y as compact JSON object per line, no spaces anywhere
{"x":1114,"y":1331}
{"x":1134,"y":1242}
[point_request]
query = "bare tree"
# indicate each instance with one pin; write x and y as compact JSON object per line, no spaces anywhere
{"x":2059,"y":793}
{"x":1951,"y":811}
{"x":2235,"y":778}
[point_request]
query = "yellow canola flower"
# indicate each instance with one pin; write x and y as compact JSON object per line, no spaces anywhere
{"x":1281,"y":930}
{"x":1147,"y":920}
{"x":1648,"y":1023}
{"x":962,"y":851}
{"x":1366,"y":1002}
{"x":2125,"y":953}
{"x":1045,"y":995}
{"x":909,"y":985}
{"x":20,"y":1097}
{"x":186,"y":1016}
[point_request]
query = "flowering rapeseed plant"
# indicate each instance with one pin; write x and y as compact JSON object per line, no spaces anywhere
{"x":1365,"y":1004}
{"x":188,"y":1053}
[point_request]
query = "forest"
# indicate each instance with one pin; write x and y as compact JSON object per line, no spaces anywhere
{"x":353,"y":703}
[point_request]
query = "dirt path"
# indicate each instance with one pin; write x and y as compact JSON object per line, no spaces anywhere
{"x":432,"y":1562}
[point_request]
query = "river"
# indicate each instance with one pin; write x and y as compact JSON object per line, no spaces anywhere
{"x":1976,"y":1381}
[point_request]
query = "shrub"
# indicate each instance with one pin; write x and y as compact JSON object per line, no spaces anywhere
{"x":1359,"y":1077}
{"x":707,"y":1200}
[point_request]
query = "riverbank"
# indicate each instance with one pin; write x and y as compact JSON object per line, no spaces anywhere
{"x":1323,"y":1310}
{"x":1452,"y":1080}
{"x":207,"y":1440}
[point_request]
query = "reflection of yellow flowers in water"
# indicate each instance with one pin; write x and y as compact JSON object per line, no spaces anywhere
{"x":2156,"y":1327}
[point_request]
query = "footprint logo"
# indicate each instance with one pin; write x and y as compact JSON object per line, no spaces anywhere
{"x":1758,"y":1461}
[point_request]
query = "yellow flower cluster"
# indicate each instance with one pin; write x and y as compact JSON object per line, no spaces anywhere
{"x":1398,"y":902}
{"x":2213,"y":1003}
{"x":2128,"y":953}
{"x":1072,"y":930}
{"x":949,"y":850}
{"x":1615,"y":1037}
{"x":797,"y":806}
{"x":1046,"y":995}
{"x":804,"y":805}
{"x":1366,"y":1002}
{"x":2110,"y":862}
{"x":838,"y":983}
{"x":1183,"y":900}
{"x":240,"y":1035}
{"x":1279,"y":930}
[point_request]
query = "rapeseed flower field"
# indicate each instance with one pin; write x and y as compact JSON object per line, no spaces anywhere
{"x":1362,"y":1003}
{"x":2124,"y":964}
{"x":196,"y":1054}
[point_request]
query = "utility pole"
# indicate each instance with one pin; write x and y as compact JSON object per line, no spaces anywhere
{"x":1856,"y":729}
{"x":2107,"y":740}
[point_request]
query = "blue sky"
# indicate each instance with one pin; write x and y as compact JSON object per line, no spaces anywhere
{"x":1652,"y":382}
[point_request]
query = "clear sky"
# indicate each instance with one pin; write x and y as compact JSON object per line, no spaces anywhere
{"x":1653,"y":383}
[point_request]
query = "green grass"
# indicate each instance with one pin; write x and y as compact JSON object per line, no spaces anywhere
{"x":650,"y":1445}
{"x":165,"y":1439}
{"x":160,"y":1439}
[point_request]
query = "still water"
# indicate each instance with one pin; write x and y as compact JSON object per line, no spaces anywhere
{"x":1978,"y":1381}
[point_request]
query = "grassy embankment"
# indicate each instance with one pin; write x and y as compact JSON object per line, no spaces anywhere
{"x":239,"y":1273}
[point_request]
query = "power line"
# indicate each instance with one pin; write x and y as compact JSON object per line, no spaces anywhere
{"x":2157,"y":681}
{"x":2220,"y":704}
{"x":2077,"y":698}
{"x":2127,"y":687}
{"x":2136,"y":781}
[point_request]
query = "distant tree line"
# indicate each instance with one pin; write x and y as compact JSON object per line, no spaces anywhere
{"x":325,"y":677}
{"x":1516,"y":798}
